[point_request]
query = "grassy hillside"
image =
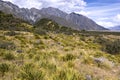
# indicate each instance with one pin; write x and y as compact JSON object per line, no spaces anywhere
{"x":8,"y":22}
{"x":48,"y":51}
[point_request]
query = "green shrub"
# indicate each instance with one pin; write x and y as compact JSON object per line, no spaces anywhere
{"x":29,"y":72}
{"x":68,"y":57}
{"x":42,"y":46}
{"x":2,"y":52}
{"x":46,"y":37}
{"x":4,"y":68}
{"x":51,"y":67}
{"x":9,"y":56}
{"x":11,"y":33}
{"x":71,"y":64}
{"x":30,"y":55}
{"x":82,"y":38}
{"x":113,"y":47}
{"x":40,"y":31}
{"x":37,"y":57}
{"x":88,"y":60}
{"x":101,"y":41}
{"x":7,"y":45}
{"x":68,"y":74}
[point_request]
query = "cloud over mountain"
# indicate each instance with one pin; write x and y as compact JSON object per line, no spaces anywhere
{"x":66,"y":5}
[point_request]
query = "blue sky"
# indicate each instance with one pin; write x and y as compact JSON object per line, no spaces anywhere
{"x":103,"y":12}
{"x":102,"y":1}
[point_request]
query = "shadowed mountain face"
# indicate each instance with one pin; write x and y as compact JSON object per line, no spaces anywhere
{"x":73,"y":20}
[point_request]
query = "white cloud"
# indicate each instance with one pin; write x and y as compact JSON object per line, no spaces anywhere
{"x":109,"y":21}
{"x":26,"y":3}
{"x":107,"y":15}
{"x":66,"y":5}
{"x":117,"y":18}
{"x":84,"y":13}
{"x":106,"y":23}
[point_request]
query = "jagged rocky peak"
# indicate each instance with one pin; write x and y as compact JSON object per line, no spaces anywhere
{"x":24,"y":13}
{"x":53,"y":11}
{"x":7,"y":4}
{"x":35,"y":10}
{"x":77,"y":15}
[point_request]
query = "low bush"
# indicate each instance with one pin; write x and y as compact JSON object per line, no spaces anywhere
{"x":88,"y":60}
{"x":40,"y":31}
{"x":29,"y":72}
{"x":9,"y":56}
{"x":68,"y":57}
{"x":50,"y":67}
{"x":68,"y":74}
{"x":11,"y":33}
{"x":4,"y":67}
{"x":7,"y":45}
{"x":101,"y":41}
{"x":113,"y":47}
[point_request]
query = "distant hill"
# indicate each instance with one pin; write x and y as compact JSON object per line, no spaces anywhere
{"x":9,"y":22}
{"x":72,"y":20}
{"x":115,"y":28}
{"x":48,"y":25}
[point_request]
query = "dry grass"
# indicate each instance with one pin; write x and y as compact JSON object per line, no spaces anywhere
{"x":49,"y":54}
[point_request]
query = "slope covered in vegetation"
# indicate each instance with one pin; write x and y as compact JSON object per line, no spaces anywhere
{"x":48,"y":51}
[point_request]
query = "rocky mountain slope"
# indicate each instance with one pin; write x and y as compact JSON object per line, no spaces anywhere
{"x":73,"y":20}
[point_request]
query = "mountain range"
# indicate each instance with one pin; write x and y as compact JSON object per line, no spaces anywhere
{"x":72,"y":20}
